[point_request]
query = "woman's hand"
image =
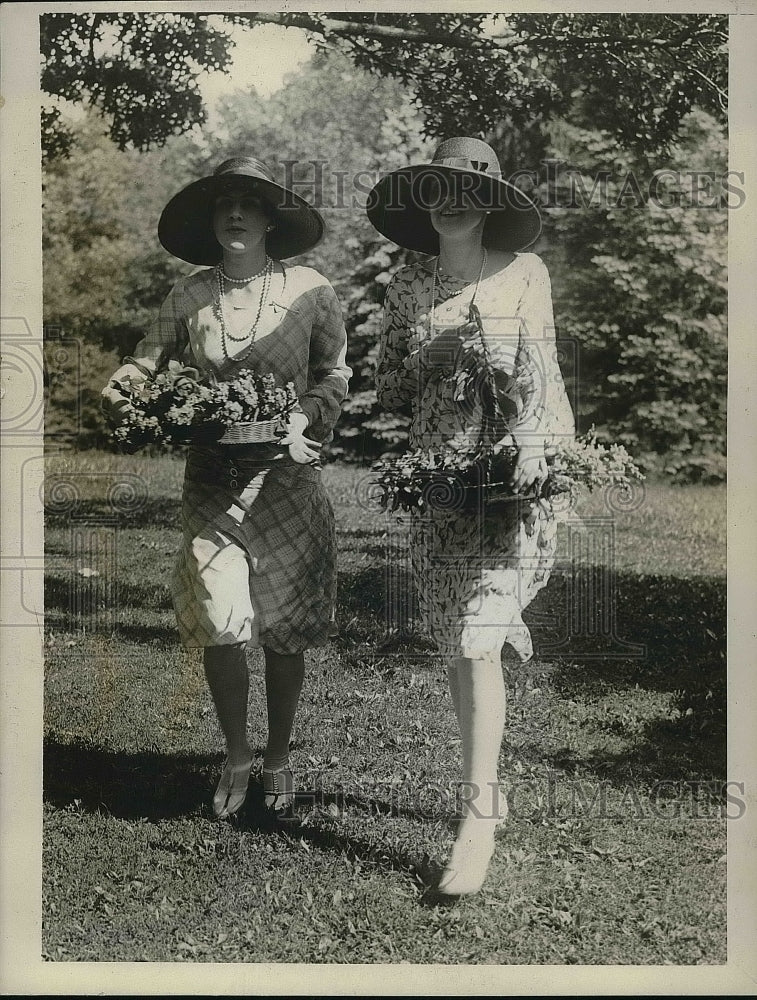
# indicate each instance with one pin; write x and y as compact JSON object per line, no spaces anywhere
{"x":530,"y":468}
{"x":301,"y":449}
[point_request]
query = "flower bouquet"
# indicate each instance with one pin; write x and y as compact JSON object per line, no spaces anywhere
{"x":176,"y":407}
{"x":467,"y":481}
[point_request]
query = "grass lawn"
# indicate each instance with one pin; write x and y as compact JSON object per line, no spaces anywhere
{"x":614,"y":852}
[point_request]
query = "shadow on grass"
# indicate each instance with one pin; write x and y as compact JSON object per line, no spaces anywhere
{"x":362,"y":591}
{"x":66,"y":593}
{"x":657,"y":632}
{"x":679,"y":627}
{"x":126,"y":785}
{"x":664,"y":752}
{"x":297,"y":825}
{"x":157,"y":787}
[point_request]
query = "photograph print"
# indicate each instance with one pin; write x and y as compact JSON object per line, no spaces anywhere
{"x":385,"y":385}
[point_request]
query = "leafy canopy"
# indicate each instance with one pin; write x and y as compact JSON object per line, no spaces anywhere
{"x":635,"y":75}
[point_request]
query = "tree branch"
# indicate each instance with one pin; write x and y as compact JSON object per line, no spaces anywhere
{"x":348,"y":29}
{"x":722,"y":95}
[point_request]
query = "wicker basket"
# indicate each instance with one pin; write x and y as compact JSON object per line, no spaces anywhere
{"x":259,"y":432}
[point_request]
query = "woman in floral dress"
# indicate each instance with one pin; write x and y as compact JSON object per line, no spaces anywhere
{"x":257,"y":562}
{"x":474,"y":574}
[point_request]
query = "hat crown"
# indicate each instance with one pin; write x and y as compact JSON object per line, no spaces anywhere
{"x":466,"y":153}
{"x":243,"y":166}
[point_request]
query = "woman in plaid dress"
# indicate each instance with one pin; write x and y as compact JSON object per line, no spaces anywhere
{"x":474,"y":574}
{"x":257,"y":562}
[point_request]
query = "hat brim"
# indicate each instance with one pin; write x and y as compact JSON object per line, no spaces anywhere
{"x":185,"y":228}
{"x":399,"y":209}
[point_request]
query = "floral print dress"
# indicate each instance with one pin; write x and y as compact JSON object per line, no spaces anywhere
{"x":475,"y":574}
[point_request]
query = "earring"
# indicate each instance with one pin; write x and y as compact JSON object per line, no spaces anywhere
{"x":270,"y":228}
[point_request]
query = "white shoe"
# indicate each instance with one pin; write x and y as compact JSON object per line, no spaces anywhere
{"x":469,"y":861}
{"x":232,"y":789}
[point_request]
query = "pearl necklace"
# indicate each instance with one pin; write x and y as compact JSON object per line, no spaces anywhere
{"x":267,"y":273}
{"x":435,"y":279}
{"x":242,"y":281}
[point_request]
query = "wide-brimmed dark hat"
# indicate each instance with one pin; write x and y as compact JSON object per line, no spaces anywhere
{"x":399,"y":205}
{"x":186,"y":224}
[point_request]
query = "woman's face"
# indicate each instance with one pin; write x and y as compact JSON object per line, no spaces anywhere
{"x":457,"y":217}
{"x":240,"y":220}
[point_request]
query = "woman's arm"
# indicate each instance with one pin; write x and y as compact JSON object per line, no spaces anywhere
{"x":538,"y":372}
{"x":166,"y":339}
{"x":328,"y":371}
{"x":539,"y":379}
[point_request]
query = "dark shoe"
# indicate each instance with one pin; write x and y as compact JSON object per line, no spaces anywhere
{"x":278,"y":787}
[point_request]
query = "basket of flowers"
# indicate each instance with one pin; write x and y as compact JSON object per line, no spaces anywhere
{"x":177,"y":407}
{"x":468,"y":481}
{"x":471,"y":479}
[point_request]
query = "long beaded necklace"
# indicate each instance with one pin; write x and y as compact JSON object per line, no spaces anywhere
{"x":435,"y":280}
{"x":267,"y":273}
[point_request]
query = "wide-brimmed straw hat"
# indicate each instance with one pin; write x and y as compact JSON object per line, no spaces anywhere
{"x":186,"y":224}
{"x":399,"y":205}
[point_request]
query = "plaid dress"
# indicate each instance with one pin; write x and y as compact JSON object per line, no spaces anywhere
{"x":475,"y":575}
{"x":257,"y":563}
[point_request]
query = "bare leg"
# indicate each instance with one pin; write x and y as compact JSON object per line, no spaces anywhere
{"x":454,"y":690}
{"x":228,"y":680}
{"x":482,"y":712}
{"x":481,"y":691}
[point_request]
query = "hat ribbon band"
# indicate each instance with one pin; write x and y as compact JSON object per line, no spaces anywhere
{"x":463,"y":163}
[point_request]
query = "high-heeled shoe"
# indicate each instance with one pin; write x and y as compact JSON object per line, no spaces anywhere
{"x":469,"y":862}
{"x":278,"y":788}
{"x":232,"y":789}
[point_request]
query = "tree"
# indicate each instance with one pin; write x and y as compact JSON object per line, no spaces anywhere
{"x":138,"y":70}
{"x":636,"y":75}
{"x":104,"y":271}
{"x":639,"y":269}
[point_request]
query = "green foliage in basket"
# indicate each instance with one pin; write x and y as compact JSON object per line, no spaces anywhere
{"x":176,"y":406}
{"x":466,"y":479}
{"x":587,"y":462}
